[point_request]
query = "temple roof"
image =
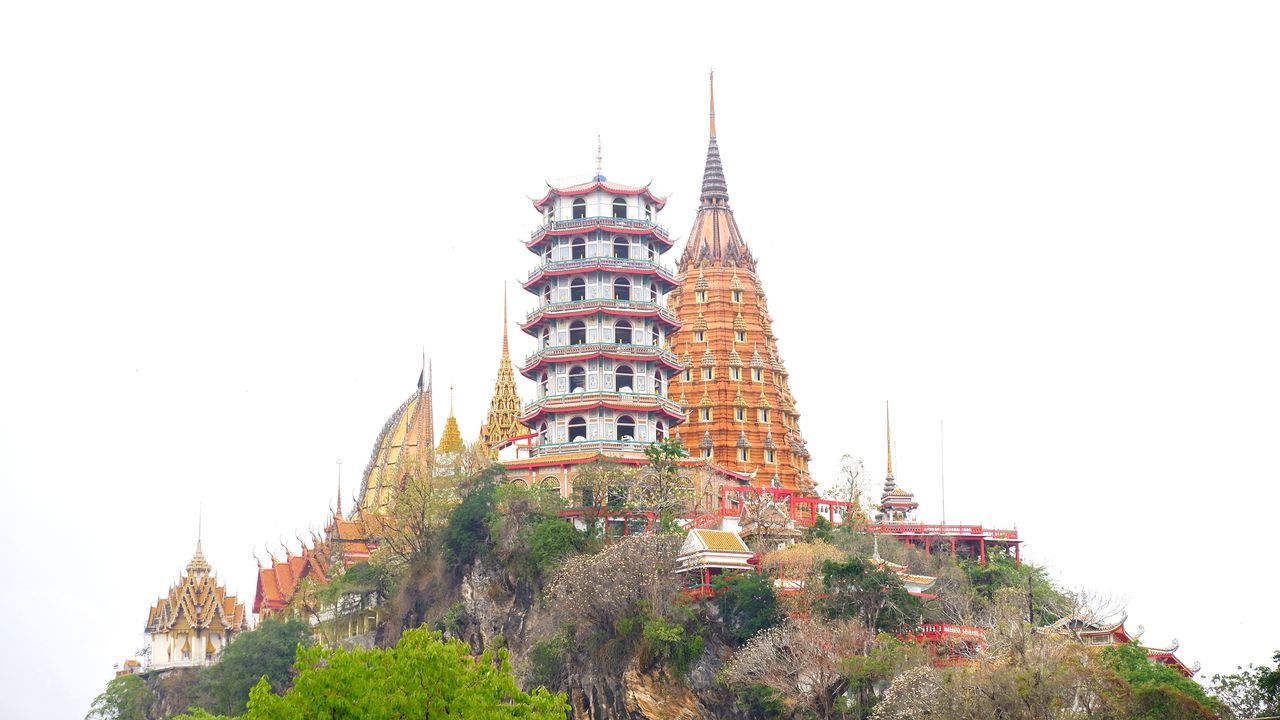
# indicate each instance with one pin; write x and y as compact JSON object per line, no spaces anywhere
{"x":196,"y":603}
{"x":599,"y":183}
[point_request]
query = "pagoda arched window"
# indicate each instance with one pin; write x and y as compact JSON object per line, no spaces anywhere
{"x":657,"y":382}
{"x":621,"y":248}
{"x":619,"y":207}
{"x":655,"y":337}
{"x":578,"y":248}
{"x":577,"y":333}
{"x":546,"y":294}
{"x":659,"y":431}
{"x":579,"y":208}
{"x":625,"y":379}
{"x":577,"y":379}
{"x":653,"y":292}
{"x":622,"y":332}
{"x":546,"y":337}
{"x":543,"y":437}
{"x":577,"y":290}
{"x":577,"y":429}
{"x":545,"y":381}
{"x":550,"y":483}
{"x":626,"y":427}
{"x":546,"y":254}
{"x":622,"y":289}
{"x":648,"y":212}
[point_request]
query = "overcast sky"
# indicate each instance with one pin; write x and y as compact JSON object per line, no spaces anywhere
{"x":229,"y":229}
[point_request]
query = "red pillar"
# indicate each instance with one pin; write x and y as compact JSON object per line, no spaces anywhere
{"x":953,"y":548}
{"x":706,"y":576}
{"x":982,"y":550}
{"x":926,"y":547}
{"x":1017,"y":553}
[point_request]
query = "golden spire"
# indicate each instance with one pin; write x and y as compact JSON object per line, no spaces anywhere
{"x":501,"y":424}
{"x":713,"y":103}
{"x":888,"y":440}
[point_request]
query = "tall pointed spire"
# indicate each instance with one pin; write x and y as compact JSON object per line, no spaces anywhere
{"x":888,"y":442}
{"x":502,"y":424}
{"x":599,"y":161}
{"x":714,"y":190}
{"x":713,"y":103}
{"x":506,"y":346}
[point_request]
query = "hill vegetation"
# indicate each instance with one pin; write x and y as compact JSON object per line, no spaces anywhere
{"x":495,"y":607}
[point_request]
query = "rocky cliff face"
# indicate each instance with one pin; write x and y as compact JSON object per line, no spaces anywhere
{"x":500,"y":609}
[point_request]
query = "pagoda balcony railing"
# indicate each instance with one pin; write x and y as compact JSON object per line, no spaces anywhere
{"x":586,"y":222}
{"x":603,"y":304}
{"x":605,"y":263}
{"x":568,"y":401}
{"x":639,"y":352}
{"x":546,"y":449}
{"x":943,"y":530}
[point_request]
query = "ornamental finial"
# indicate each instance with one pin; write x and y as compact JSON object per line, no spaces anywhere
{"x":888,"y":440}
{"x":713,"y":103}
{"x":599,"y":161}
{"x":505,"y":344}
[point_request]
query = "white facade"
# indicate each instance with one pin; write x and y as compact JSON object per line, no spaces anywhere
{"x":601,"y":367}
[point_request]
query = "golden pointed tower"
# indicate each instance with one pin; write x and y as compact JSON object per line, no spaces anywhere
{"x":746,"y":420}
{"x":501,"y":425}
{"x":451,"y":438}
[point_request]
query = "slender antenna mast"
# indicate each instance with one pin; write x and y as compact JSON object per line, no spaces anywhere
{"x":942,"y":468}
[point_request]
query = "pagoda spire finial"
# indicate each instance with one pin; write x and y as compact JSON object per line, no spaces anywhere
{"x":199,"y":527}
{"x":505,"y":344}
{"x":888,"y":440}
{"x":713,"y":102}
{"x":339,"y":510}
{"x":714,"y":190}
{"x":423,"y":372}
{"x":599,"y":161}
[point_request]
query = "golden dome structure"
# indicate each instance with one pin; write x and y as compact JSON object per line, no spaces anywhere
{"x":403,"y":445}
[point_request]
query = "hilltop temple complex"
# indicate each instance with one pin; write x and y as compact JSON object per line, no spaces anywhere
{"x":626,"y":353}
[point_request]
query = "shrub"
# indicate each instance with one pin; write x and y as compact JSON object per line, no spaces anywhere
{"x":667,"y":643}
{"x":747,"y":604}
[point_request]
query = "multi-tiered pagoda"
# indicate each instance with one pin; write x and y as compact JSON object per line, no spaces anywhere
{"x":742,"y":416}
{"x":601,"y":369}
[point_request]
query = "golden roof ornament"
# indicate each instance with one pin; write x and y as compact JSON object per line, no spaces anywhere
{"x":451,"y":438}
{"x":502,"y":423}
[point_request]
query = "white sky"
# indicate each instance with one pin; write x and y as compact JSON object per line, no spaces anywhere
{"x":228,"y":229}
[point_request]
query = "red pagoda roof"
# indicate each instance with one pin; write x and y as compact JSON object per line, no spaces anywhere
{"x":599,"y":184}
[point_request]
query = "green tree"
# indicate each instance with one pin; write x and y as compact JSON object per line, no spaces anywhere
{"x":466,"y":531}
{"x":1250,"y":691}
{"x":1161,"y":692}
{"x":747,"y":603}
{"x":127,"y":697}
{"x":857,"y":588}
{"x":266,"y":653}
{"x":551,"y":541}
{"x":421,"y":677}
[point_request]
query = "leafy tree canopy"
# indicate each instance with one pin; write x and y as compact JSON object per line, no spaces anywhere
{"x":266,"y":653}
{"x":747,"y":603}
{"x":1163,"y":693}
{"x":421,"y":677}
{"x":126,"y":698}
